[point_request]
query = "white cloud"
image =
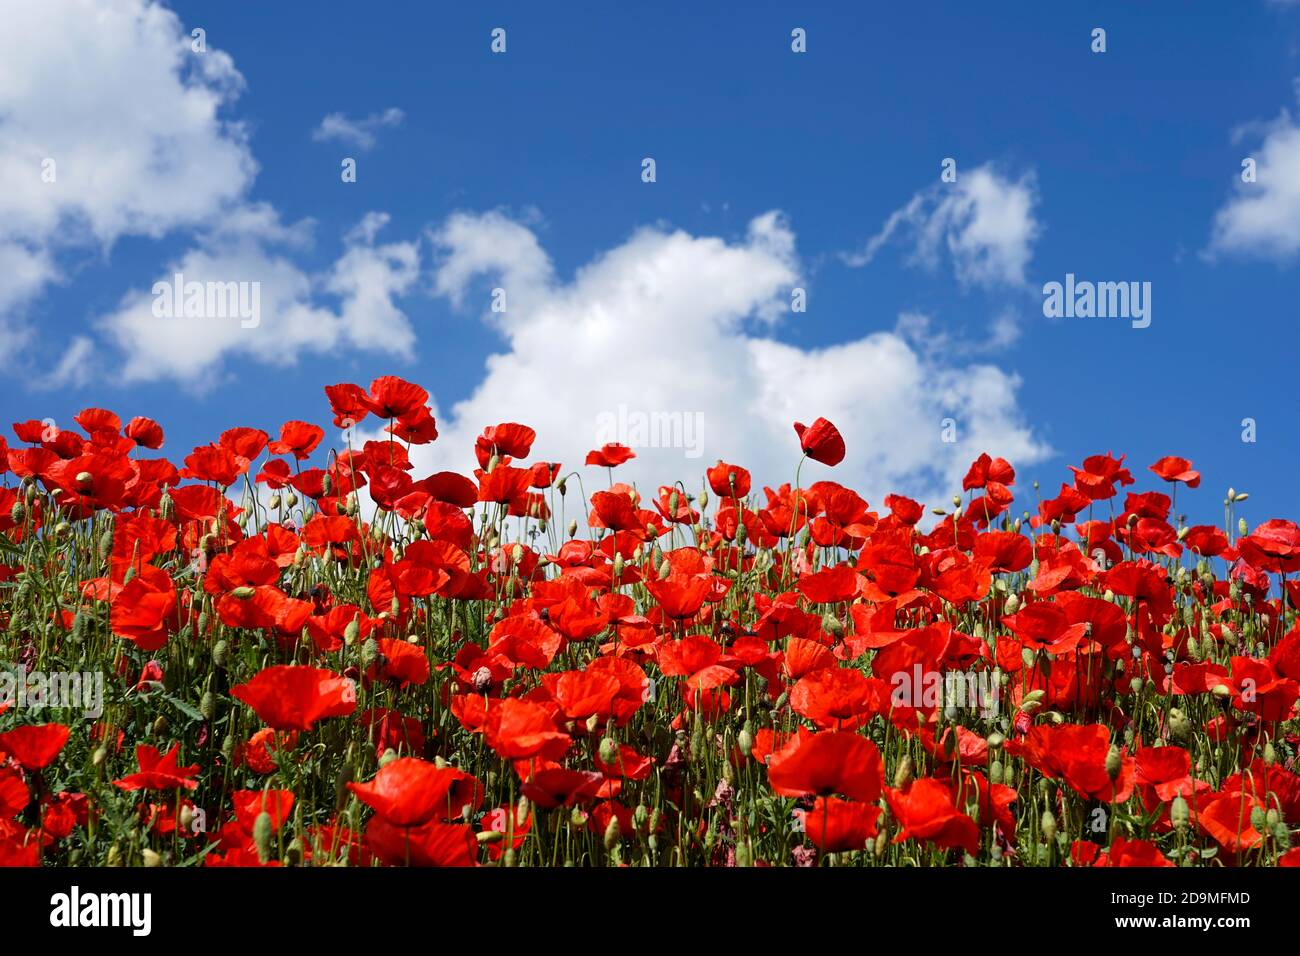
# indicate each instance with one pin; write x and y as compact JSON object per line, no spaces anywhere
{"x":359,"y":132}
{"x":1262,"y":219}
{"x":985,"y":221}
{"x":664,"y":323}
{"x":247,"y":247}
{"x":130,"y":117}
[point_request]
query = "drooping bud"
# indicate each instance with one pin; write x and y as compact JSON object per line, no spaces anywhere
{"x":1179,"y":813}
{"x":262,"y":836}
{"x":1114,"y":763}
{"x":613,"y":833}
{"x":903,"y":773}
{"x":1048,"y":826}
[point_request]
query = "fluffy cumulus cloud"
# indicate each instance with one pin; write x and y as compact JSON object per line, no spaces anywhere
{"x":667,"y":340}
{"x":984,"y":221}
{"x":141,"y":150}
{"x":255,"y":303}
{"x":1262,"y":218}
{"x":362,"y":133}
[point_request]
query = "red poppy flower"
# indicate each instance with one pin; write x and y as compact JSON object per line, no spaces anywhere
{"x":297,"y":438}
{"x":836,"y":826}
{"x":827,"y":763}
{"x":1171,"y":468}
{"x":409,"y":792}
{"x":610,"y":456}
{"x":821,"y":441}
{"x":34,"y":746}
{"x":508,"y":438}
{"x":392,"y":397}
{"x":159,"y":771}
{"x":290,"y":697}
{"x":926,"y":811}
{"x":145,"y":432}
{"x":433,"y":844}
{"x":728,"y":481}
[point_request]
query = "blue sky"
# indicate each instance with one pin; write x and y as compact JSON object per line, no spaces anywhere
{"x":1129,"y":159}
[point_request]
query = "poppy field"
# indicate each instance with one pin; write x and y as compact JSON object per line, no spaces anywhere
{"x":309,"y":654}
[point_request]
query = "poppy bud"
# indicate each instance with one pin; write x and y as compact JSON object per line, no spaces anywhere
{"x":1136,"y":685}
{"x":1012,"y":604}
{"x":741,"y":533}
{"x":208,"y":705}
{"x":608,"y":751}
{"x":831,"y":625}
{"x":1179,"y":726}
{"x":903,"y":773}
{"x":1048,"y":826}
{"x":578,"y":818}
{"x":262,"y":836}
{"x":220,"y":652}
{"x":665,"y":569}
{"x":613,"y":833}
{"x":80,"y":623}
{"x":352,"y":631}
{"x":1242,"y":527}
{"x":152,"y":857}
{"x":744,"y":855}
{"x":160,"y":726}
{"x":1242,"y":496}
{"x":592,"y":723}
{"x":995,"y":740}
{"x":641,"y":815}
{"x":243,"y":592}
{"x":618,"y":565}
{"x":388,"y":757}
{"x":1114,"y":763}
{"x":290,"y":498}
{"x":114,"y":856}
{"x":369,"y":652}
{"x":573,"y":527}
{"x":1179,"y":815}
{"x":522,"y":809}
{"x":745,"y":739}
{"x":995,"y":772}
{"x":1270,"y":755}
{"x":100,"y":755}
{"x":228,"y":746}
{"x":882,"y":841}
